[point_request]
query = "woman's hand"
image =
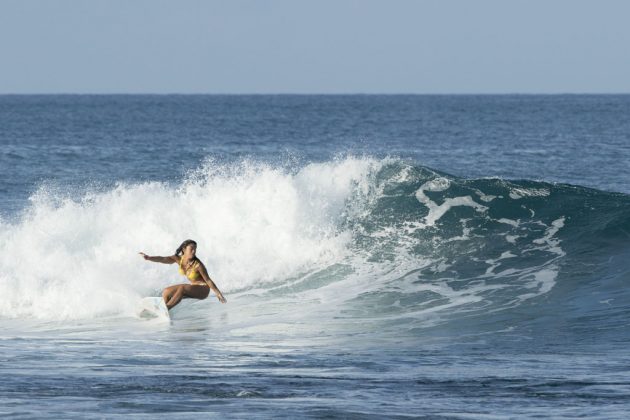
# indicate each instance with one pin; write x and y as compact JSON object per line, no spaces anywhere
{"x":145,"y":256}
{"x":221,"y":298}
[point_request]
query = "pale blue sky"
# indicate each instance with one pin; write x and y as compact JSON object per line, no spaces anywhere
{"x":323,"y":46}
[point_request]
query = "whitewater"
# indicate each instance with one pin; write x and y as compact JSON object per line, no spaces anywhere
{"x":360,"y":282}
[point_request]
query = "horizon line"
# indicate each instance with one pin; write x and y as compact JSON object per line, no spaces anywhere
{"x":308,"y":94}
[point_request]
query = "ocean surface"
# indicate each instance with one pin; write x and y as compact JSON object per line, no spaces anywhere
{"x":382,"y":256}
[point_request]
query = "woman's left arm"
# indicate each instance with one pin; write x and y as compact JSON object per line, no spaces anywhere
{"x":210,"y":283}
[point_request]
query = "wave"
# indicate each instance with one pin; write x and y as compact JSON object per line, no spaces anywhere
{"x":389,"y":243}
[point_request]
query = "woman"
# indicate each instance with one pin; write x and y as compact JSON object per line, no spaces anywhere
{"x":193,"y":269}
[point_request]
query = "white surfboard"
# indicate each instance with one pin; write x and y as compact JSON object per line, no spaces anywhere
{"x":153,"y":307}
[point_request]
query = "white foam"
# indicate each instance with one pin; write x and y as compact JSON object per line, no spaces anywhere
{"x":549,"y":239}
{"x":484,"y":197}
{"x":518,"y":193}
{"x":494,"y":263}
{"x":437,"y":211}
{"x":77,"y":257}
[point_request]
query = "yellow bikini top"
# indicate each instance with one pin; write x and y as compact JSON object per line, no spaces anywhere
{"x":192,"y":273}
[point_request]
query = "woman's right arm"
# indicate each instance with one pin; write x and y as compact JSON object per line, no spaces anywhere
{"x":164,"y":260}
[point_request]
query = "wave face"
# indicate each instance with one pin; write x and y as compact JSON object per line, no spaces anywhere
{"x":384,"y":247}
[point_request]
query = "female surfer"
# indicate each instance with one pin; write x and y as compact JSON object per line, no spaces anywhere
{"x":193,"y":269}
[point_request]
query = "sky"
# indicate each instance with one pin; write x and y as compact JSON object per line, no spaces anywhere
{"x":317,"y":46}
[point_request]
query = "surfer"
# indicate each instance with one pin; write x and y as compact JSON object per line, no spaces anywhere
{"x":193,"y":269}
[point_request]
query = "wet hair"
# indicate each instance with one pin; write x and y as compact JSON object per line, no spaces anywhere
{"x":180,"y":250}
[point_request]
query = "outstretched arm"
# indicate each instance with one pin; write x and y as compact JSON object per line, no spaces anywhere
{"x":164,"y":260}
{"x":210,"y":283}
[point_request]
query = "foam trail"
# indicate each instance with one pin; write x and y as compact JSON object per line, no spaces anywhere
{"x":437,"y":211}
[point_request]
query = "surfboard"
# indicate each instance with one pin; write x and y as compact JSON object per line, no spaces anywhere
{"x":153,"y":307}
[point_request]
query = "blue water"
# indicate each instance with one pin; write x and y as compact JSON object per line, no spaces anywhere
{"x":382,"y":256}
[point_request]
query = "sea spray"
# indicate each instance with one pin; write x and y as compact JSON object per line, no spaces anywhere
{"x":75,"y":255}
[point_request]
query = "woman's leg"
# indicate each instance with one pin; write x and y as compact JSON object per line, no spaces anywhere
{"x":169,"y":292}
{"x":174,"y":294}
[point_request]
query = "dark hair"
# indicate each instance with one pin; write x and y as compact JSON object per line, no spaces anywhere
{"x":184,"y":244}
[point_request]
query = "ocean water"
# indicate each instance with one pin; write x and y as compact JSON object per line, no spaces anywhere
{"x":382,"y":256}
